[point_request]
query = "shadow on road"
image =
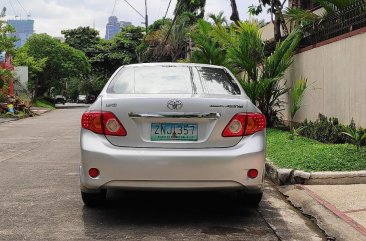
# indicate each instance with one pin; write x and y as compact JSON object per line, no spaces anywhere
{"x":208,"y":213}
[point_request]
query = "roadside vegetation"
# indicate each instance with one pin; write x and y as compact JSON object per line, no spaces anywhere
{"x":310,"y":155}
{"x":43,"y":103}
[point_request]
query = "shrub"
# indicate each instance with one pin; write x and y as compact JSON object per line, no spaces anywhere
{"x":357,"y":135}
{"x":327,"y":130}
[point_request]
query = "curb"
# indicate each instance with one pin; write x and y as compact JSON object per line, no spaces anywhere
{"x":7,"y":120}
{"x":39,"y":112}
{"x":335,"y":224}
{"x":34,"y":112}
{"x":290,"y":176}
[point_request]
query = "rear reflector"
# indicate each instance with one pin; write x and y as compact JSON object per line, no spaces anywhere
{"x":103,"y":123}
{"x":252,"y":173}
{"x":93,"y":172}
{"x":245,"y":124}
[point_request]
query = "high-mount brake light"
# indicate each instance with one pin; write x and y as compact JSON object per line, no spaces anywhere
{"x":245,"y":124}
{"x":103,"y":123}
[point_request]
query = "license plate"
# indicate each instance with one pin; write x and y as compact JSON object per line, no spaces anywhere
{"x":174,"y":132}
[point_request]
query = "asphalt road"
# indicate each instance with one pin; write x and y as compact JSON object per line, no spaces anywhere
{"x":40,"y":200}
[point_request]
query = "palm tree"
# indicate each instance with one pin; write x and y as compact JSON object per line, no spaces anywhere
{"x":207,"y":49}
{"x":218,"y":19}
{"x":169,"y":41}
{"x":260,"y":76}
{"x":194,"y":9}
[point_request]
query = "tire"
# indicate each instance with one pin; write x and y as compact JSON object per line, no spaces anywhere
{"x":249,"y":199}
{"x":94,"y":199}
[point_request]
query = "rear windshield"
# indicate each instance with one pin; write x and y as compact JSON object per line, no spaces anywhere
{"x":172,"y":80}
{"x":217,"y":81}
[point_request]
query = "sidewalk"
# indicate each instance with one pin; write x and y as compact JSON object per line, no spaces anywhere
{"x":35,"y":110}
{"x":4,"y":120}
{"x":340,"y":210}
{"x":39,"y":110}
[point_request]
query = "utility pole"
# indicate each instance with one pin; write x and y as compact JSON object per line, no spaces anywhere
{"x":146,"y":17}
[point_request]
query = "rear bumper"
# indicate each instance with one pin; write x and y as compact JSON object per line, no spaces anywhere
{"x":151,"y":168}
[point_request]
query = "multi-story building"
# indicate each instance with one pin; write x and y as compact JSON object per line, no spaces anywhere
{"x":125,"y":24}
{"x":114,"y":26}
{"x":24,"y":29}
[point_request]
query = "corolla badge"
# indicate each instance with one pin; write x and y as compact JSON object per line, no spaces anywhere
{"x":175,"y":104}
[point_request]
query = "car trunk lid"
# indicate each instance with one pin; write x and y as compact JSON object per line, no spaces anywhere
{"x":174,"y":121}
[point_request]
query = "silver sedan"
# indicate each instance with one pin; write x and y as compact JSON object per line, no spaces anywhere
{"x":174,"y":127}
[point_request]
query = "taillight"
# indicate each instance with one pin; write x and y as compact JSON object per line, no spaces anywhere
{"x":245,"y":124}
{"x":102,"y":123}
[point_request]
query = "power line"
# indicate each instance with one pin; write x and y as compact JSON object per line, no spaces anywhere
{"x":161,"y":2}
{"x":12,"y":7}
{"x":173,"y":22}
{"x":166,"y":13}
{"x":23,"y":8}
{"x":114,"y":6}
{"x":134,"y":9}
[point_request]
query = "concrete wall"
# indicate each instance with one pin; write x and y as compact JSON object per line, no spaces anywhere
{"x":21,"y":74}
{"x":268,"y":32}
{"x":336,"y":80}
{"x":21,"y":80}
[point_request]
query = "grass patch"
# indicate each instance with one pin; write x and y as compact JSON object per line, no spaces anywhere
{"x":310,"y":155}
{"x":18,"y":115}
{"x":44,"y":104}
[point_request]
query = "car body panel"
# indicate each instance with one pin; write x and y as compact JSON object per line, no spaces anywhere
{"x":172,"y":168}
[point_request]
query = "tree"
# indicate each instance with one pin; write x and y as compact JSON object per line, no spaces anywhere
{"x":35,"y":67}
{"x":207,"y":49}
{"x":234,"y":13}
{"x":260,"y":76}
{"x":63,"y":62}
{"x":82,"y":38}
{"x":276,"y":8}
{"x":120,"y":50}
{"x":158,"y":24}
{"x":194,"y":9}
{"x":7,"y":44}
{"x":218,"y":19}
{"x":169,"y":42}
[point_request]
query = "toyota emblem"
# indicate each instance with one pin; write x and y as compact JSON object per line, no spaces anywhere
{"x":175,"y":104}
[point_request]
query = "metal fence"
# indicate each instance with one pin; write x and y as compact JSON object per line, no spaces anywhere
{"x":344,"y":21}
{"x":341,"y":22}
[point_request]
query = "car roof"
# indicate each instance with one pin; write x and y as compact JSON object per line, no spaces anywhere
{"x":174,"y":64}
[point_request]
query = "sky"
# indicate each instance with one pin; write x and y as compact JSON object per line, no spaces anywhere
{"x":52,"y":16}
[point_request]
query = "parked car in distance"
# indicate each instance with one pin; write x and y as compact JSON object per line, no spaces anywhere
{"x":170,"y":126}
{"x":81,"y":99}
{"x":60,"y":99}
{"x":90,"y":99}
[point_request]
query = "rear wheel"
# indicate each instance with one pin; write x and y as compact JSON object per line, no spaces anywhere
{"x":94,"y":199}
{"x":249,"y":199}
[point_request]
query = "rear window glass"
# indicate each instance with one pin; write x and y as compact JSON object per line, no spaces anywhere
{"x":217,"y":81}
{"x":152,"y":80}
{"x":173,"y":80}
